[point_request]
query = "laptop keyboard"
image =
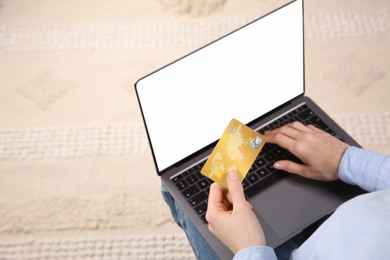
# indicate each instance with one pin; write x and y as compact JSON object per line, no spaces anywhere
{"x":195,"y":187}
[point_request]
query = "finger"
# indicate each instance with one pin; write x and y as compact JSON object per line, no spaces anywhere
{"x":293,"y":130}
{"x":215,"y":202}
{"x":216,"y":193}
{"x":228,"y":206}
{"x":229,"y":197}
{"x":280,"y":139}
{"x":298,"y":126}
{"x":292,"y":167}
{"x":235,"y":189}
{"x":317,"y":130}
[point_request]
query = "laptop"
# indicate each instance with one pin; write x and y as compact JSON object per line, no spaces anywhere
{"x":255,"y":74}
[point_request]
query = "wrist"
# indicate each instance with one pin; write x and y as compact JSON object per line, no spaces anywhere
{"x":338,"y":161}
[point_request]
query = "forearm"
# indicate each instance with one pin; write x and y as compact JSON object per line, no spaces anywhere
{"x":367,"y":169}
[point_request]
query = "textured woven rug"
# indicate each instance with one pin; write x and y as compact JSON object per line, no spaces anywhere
{"x":76,"y":175}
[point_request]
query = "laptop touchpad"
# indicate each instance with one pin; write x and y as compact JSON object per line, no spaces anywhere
{"x":294,"y":203}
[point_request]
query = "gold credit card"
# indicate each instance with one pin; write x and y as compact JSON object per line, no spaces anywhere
{"x":236,"y":150}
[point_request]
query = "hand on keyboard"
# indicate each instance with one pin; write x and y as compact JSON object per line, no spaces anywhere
{"x":319,"y":151}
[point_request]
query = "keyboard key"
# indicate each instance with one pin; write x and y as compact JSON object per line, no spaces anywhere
{"x":271,"y":147}
{"x":192,"y":179}
{"x":252,"y":178}
{"x":301,"y":108}
{"x":182,"y":184}
{"x":191,"y":191}
{"x":270,"y":157}
{"x":280,"y":122}
{"x":177,"y":178}
{"x":201,"y":209}
{"x":253,"y":168}
{"x":262,"y":173}
{"x":245,"y":183}
{"x":203,"y":184}
{"x":293,"y":119}
{"x":199,"y":175}
{"x":198,"y":198}
{"x":330,"y":131}
{"x":306,"y":114}
{"x":265,"y":128}
{"x":289,"y":156}
{"x":203,"y":217}
{"x":279,"y":152}
{"x":318,"y":122}
{"x":260,"y":162}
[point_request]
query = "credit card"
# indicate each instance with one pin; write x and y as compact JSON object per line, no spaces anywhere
{"x":237,"y":149}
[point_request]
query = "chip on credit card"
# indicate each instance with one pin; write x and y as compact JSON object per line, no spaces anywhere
{"x":236,"y":150}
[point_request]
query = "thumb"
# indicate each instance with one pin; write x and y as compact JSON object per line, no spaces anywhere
{"x":235,"y":188}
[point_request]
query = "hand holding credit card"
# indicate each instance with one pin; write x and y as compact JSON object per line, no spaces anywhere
{"x":236,"y":150}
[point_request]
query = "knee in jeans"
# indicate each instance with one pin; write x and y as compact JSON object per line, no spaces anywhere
{"x":172,"y":205}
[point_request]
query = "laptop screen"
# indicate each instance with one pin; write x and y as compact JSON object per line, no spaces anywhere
{"x":188,"y":104}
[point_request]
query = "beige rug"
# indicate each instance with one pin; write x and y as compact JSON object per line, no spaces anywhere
{"x":76,"y":175}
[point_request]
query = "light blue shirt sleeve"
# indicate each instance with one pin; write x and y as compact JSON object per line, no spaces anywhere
{"x":369,"y":170}
{"x":256,"y":252}
{"x":360,"y":228}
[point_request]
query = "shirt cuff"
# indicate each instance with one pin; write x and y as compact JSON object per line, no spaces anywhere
{"x":365,"y":168}
{"x":256,"y":252}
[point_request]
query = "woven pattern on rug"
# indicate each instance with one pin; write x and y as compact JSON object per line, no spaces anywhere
{"x":173,"y":34}
{"x":92,"y":248}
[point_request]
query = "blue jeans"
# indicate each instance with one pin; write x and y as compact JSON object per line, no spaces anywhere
{"x":201,"y":247}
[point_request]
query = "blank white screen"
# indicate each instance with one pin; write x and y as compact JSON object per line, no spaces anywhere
{"x":188,"y":104}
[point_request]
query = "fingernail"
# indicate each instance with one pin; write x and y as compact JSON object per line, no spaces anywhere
{"x":233,"y":175}
{"x":278,"y":166}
